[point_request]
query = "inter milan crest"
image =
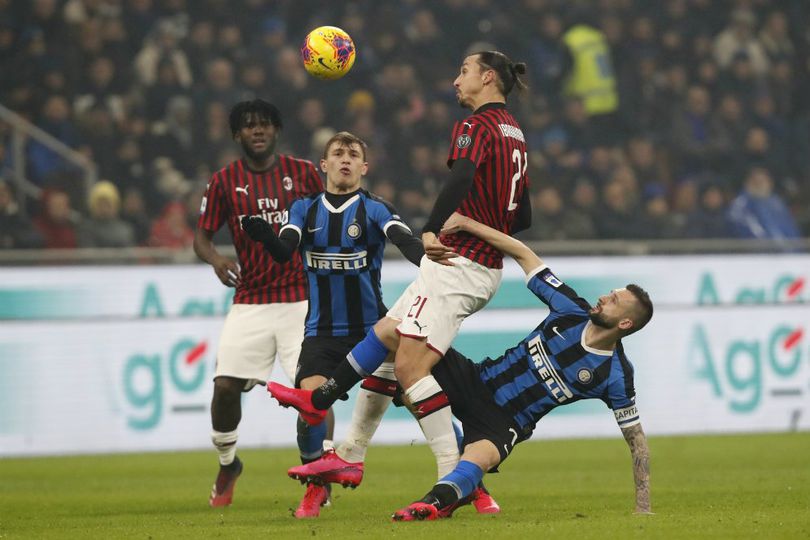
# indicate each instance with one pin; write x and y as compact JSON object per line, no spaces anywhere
{"x":584,"y":375}
{"x":463,"y":141}
{"x":354,"y":231}
{"x":287,"y":183}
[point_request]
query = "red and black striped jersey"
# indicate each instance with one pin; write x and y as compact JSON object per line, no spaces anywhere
{"x":237,"y":191}
{"x":492,"y":139}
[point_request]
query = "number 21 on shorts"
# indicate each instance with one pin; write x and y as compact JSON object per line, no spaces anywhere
{"x":418,"y":304}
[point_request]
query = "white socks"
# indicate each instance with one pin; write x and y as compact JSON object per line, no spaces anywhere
{"x":369,"y":408}
{"x":225,"y":443}
{"x":432,"y":409}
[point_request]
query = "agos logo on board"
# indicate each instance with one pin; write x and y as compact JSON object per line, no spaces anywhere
{"x":755,"y":370}
{"x":167,"y":382}
{"x":785,"y":288}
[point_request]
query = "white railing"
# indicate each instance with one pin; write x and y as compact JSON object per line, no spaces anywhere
{"x":22,"y":131}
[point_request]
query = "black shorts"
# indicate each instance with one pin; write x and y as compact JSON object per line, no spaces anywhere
{"x":472,"y":403}
{"x":320,"y":355}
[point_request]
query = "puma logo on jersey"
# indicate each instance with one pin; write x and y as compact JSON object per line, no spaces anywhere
{"x":243,"y":190}
{"x":419,"y":326}
{"x":468,"y":124}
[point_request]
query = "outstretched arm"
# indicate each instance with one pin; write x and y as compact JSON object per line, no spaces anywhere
{"x":637,"y":442}
{"x":513,"y":247}
{"x":281,"y":249}
{"x":410,"y":246}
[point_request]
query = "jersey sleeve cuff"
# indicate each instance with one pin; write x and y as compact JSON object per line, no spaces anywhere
{"x":292,"y":227}
{"x":395,"y":222}
{"x":534,"y":272}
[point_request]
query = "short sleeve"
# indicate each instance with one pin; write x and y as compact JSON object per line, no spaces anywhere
{"x":621,"y":393}
{"x":213,"y":207}
{"x":386,"y":216}
{"x":470,"y":140}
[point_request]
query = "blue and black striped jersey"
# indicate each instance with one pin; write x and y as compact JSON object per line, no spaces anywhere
{"x":553,"y":366}
{"x":342,"y":250}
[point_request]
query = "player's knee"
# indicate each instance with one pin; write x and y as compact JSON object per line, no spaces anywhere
{"x":386,"y":332}
{"x":227,"y":389}
{"x":407,"y":371}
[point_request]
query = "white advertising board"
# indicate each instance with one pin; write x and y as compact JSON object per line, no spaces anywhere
{"x":193,"y":290}
{"x":113,"y":386}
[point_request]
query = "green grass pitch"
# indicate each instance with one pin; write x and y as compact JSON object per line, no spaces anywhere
{"x":754,"y":486}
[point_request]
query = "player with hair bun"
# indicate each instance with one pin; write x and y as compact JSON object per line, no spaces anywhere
{"x":460,"y":273}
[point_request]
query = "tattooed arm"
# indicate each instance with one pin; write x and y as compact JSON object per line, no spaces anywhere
{"x":637,"y":442}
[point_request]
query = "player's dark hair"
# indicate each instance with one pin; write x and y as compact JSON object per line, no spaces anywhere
{"x":645,"y":307}
{"x":261,"y":109}
{"x":344,"y":138}
{"x":508,"y":72}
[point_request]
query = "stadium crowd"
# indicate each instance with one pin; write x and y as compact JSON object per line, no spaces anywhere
{"x":708,"y":135}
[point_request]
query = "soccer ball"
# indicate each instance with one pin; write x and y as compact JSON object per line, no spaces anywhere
{"x":328,"y":52}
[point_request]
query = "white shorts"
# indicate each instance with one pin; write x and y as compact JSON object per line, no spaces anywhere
{"x":441,"y":297}
{"x":254,"y":333}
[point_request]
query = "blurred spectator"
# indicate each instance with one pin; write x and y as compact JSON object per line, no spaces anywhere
{"x":685,"y":199}
{"x":657,"y":221}
{"x":173,"y":137}
{"x":201,"y":47}
{"x":101,"y":89}
{"x":171,"y":229}
{"x":775,"y":37}
{"x":693,"y":138}
{"x":56,"y":120}
{"x":729,"y":126}
{"x":758,"y":212}
{"x":162,"y":45}
{"x":741,"y":79}
{"x":220,"y":85}
{"x":56,"y":221}
{"x":105,"y":228}
{"x":583,"y":209}
{"x":548,"y":55}
{"x":16,"y":231}
{"x":738,"y":38}
{"x":134,"y":212}
{"x":700,"y":92}
{"x":589,"y":74}
{"x":551,"y":221}
{"x":619,"y":218}
{"x":642,"y":158}
{"x":710,"y":219}
{"x":758,"y":152}
{"x":166,"y":86}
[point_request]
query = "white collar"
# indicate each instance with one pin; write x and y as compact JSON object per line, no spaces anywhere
{"x":600,"y":352}
{"x":343,"y":206}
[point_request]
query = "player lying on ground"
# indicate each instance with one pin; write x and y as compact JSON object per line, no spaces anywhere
{"x":575,"y":353}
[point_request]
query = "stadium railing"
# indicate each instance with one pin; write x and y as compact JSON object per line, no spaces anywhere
{"x":21,"y":131}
